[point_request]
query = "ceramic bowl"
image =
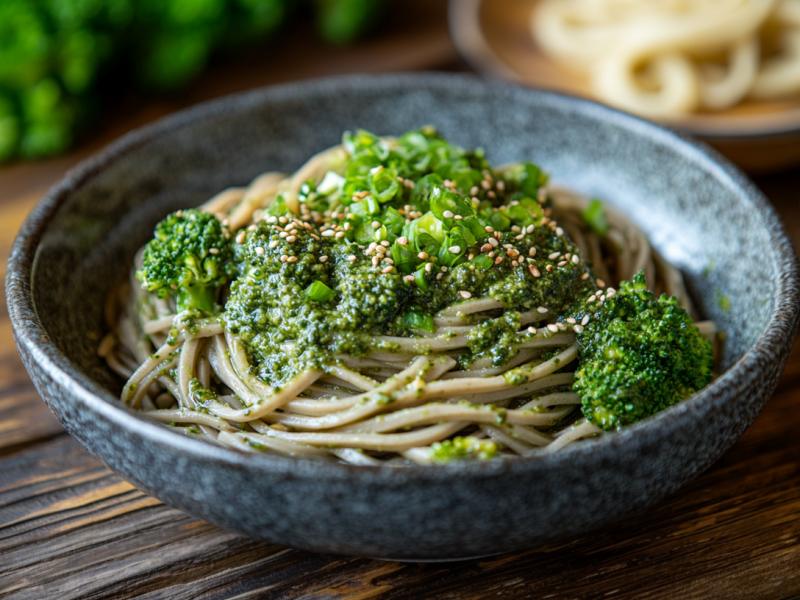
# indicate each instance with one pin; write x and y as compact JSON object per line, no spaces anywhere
{"x":700,"y":212}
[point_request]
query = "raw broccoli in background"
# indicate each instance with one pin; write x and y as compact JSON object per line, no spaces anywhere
{"x":638,"y":355}
{"x":189,"y":257}
{"x":59,"y":58}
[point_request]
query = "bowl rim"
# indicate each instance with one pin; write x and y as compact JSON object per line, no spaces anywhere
{"x":472,"y":46}
{"x":31,"y":337}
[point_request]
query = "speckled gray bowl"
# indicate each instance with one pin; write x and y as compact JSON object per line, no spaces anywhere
{"x":697,"y":209}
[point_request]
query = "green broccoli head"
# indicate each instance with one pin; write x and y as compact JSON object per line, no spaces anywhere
{"x":638,"y":355}
{"x":189,"y":257}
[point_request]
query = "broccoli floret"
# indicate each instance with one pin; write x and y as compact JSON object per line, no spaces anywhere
{"x":638,"y":355}
{"x":463,"y":448}
{"x":190,"y":257}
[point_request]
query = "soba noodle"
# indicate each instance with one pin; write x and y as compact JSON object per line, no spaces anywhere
{"x":383,"y":407}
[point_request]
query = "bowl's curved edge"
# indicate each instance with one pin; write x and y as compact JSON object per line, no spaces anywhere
{"x":43,"y":357}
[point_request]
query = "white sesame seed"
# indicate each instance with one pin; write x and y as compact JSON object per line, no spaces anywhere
{"x":486,"y":248}
{"x":339,"y":235}
{"x":458,"y":218}
{"x":585,"y":276}
{"x":591,"y":299}
{"x":494,"y":242}
{"x":611,"y":293}
{"x":515,"y":228}
{"x":291,"y":259}
{"x":422,"y":255}
{"x":489,"y":228}
{"x":385,"y":243}
{"x":532,"y":330}
{"x":513,"y":253}
{"x":534,"y":271}
{"x":323,"y":258}
{"x":474,"y":190}
{"x":529,"y":229}
{"x":498,"y":260}
{"x":351,"y":258}
{"x":561,"y":326}
{"x":603,"y":298}
{"x":444,"y":269}
{"x":388,"y":261}
{"x":403,"y":241}
{"x":284,"y":258}
{"x":428,"y":267}
{"x":541,"y":310}
{"x":577,"y":329}
{"x":501,"y":185}
{"x":328,"y":233}
{"x":571,"y":320}
{"x":272,"y":244}
{"x":438,"y":276}
{"x":465,"y":294}
{"x":562,"y":263}
{"x":240,"y":237}
{"x":476,"y":201}
{"x":448,"y":214}
{"x":376,"y":225}
{"x":291,"y":238}
{"x":552,"y":328}
{"x":454,"y":249}
{"x":601,"y":283}
{"x":385,"y":270}
{"x":376,"y":261}
{"x":532,"y":251}
{"x":575,"y":259}
{"x":272,"y":220}
{"x":409,"y":278}
{"x":283,"y":234}
{"x":347,"y":226}
{"x":554,"y":255}
{"x":507,"y":246}
{"x":514,"y":263}
{"x":598,"y":293}
{"x":585,"y":320}
{"x":283,"y":220}
{"x":485,"y":184}
{"x":559,"y":231}
{"x":491,"y":194}
{"x":260,"y":250}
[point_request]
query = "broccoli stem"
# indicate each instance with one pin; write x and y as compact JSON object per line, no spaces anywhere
{"x":201,"y":297}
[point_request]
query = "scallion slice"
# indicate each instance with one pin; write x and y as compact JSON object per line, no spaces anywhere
{"x":319,"y":291}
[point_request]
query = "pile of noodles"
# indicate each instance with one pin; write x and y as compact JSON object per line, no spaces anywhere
{"x":665,"y":58}
{"x":341,"y":414}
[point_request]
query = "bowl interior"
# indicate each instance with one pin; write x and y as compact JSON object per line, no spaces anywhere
{"x":694,"y":213}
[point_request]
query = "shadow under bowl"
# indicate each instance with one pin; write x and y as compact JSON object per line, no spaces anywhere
{"x":699,"y":211}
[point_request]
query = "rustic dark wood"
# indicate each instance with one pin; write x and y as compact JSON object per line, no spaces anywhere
{"x":69,"y":528}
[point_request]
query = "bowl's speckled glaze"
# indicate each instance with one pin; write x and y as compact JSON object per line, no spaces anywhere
{"x":699,"y":211}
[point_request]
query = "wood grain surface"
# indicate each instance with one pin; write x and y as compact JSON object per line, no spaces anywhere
{"x":69,"y":528}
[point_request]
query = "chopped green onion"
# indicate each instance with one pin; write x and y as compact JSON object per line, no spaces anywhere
{"x":499,"y":221}
{"x":595,"y":217}
{"x":418,"y":320}
{"x":483,"y":261}
{"x":372,"y":206}
{"x":319,"y":291}
{"x":383,"y":183}
{"x":421,"y":280}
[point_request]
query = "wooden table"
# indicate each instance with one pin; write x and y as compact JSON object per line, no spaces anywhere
{"x":69,"y":528}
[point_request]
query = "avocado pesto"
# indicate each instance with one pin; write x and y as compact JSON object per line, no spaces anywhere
{"x":402,"y":300}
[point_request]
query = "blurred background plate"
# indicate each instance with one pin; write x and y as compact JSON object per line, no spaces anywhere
{"x":494,"y":37}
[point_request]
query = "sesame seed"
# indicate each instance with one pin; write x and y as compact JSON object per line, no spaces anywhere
{"x":259,"y":250}
{"x":438,"y":276}
{"x":585,"y":276}
{"x":559,"y":231}
{"x":403,"y":241}
{"x":529,"y":229}
{"x":328,"y":233}
{"x":291,"y":238}
{"x":316,"y":237}
{"x":465,"y":294}
{"x":291,"y":259}
{"x":376,"y":225}
{"x":272,"y":220}
{"x":173,"y":286}
{"x":515,"y":228}
{"x":552,"y":328}
{"x":283,"y":234}
{"x":409,"y":278}
{"x":448,"y":214}
{"x":501,"y":185}
{"x":225,"y":222}
{"x":489,"y":228}
{"x":507,"y":246}
{"x":561,"y":326}
{"x":458,"y":217}
{"x":351,"y":258}
{"x":240,"y":237}
{"x":591,"y":299}
{"x":611,"y":293}
{"x":563,"y":263}
{"x":541,"y":310}
{"x":498,"y":260}
{"x":444,"y":269}
{"x":598,"y":293}
{"x":339,"y":235}
{"x":422,"y":255}
{"x":385,"y":270}
{"x":485,"y":184}
{"x":284,"y":258}
{"x":476,"y":200}
{"x":376,"y":261}
{"x":554,"y":255}
{"x":388,"y":261}
{"x":347,"y":226}
{"x":385,"y":244}
{"x":575,"y":259}
{"x":272,"y":244}
{"x":577,"y":329}
{"x":585,"y":320}
{"x":491,"y":194}
{"x":428,"y":267}
{"x":571,"y":320}
{"x":470,"y":256}
{"x":602,"y":298}
{"x":494,"y":242}
{"x":534,"y":271}
{"x":513,"y":253}
{"x":490,"y":255}
{"x":323,"y":258}
{"x":486,"y":248}
{"x":532,"y":330}
{"x":474,"y":190}
{"x":380,"y":249}
{"x":454,"y":249}
{"x":283,"y":220}
{"x":549,"y":268}
{"x":601,"y":283}
{"x":532,"y":251}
